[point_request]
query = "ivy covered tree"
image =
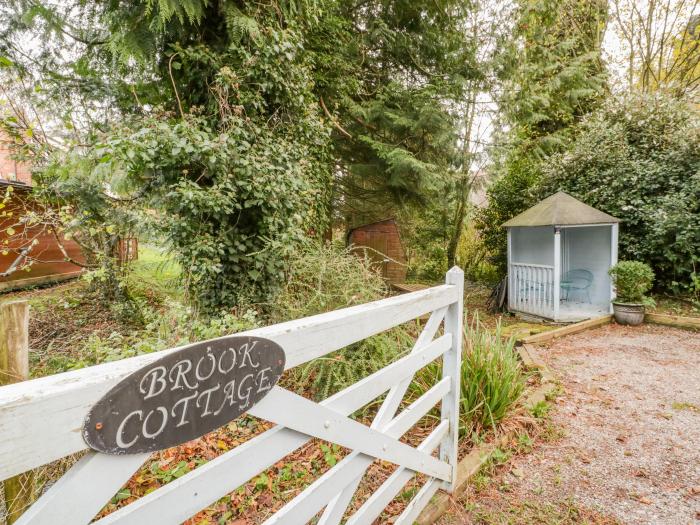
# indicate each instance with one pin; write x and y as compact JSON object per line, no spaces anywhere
{"x":218,"y":129}
{"x":242,"y":124}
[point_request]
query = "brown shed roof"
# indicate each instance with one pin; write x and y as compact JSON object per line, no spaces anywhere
{"x":560,"y":209}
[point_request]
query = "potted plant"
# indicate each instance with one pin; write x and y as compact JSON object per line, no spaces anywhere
{"x":632,"y":280}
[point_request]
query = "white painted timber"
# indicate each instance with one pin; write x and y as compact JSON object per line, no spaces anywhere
{"x":417,"y":504}
{"x":82,"y":491}
{"x":614,"y":234}
{"x":452,"y":367}
{"x":335,"y":510}
{"x":298,"y":413}
{"x":557,"y":272}
{"x":181,"y":498}
{"x":532,"y":288}
{"x":40,"y":420}
{"x":307,"y":504}
{"x":511,"y":276}
{"x":380,"y":498}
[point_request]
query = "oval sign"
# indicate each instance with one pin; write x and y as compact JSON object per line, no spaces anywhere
{"x":184,"y":395}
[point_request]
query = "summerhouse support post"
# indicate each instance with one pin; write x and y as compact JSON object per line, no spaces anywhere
{"x":452,"y":367}
{"x":14,"y":367}
{"x":557,"y":270}
{"x":614,"y":236}
{"x":509,"y":269}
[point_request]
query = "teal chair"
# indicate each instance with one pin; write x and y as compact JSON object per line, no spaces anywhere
{"x":577,"y":281}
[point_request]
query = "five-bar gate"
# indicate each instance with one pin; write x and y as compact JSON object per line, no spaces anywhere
{"x":41,"y":421}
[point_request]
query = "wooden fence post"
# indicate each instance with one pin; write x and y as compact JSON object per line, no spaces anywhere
{"x":14,"y":367}
{"x":452,"y":368}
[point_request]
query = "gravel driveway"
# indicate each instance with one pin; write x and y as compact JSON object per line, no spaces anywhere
{"x":630,"y":415}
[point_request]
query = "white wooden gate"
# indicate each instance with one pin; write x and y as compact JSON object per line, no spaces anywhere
{"x":41,"y":421}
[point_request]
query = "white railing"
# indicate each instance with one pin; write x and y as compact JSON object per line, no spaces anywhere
{"x":531,"y":289}
{"x":41,"y":421}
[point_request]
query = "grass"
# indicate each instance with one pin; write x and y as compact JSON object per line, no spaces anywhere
{"x":685,"y":406}
{"x":677,"y":305}
{"x":156,"y":273}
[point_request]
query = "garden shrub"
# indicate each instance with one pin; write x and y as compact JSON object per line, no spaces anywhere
{"x":473,"y":257}
{"x":232,"y":203}
{"x":168,"y":325}
{"x":333,"y":372}
{"x":492,"y":380}
{"x":325,"y":277}
{"x":632,"y":280}
{"x":638,"y":159}
{"x":509,"y":195}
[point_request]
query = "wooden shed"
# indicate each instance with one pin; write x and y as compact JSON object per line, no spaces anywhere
{"x":381,"y":243}
{"x":50,"y":263}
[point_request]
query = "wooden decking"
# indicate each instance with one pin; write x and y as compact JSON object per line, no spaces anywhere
{"x":409,"y":287}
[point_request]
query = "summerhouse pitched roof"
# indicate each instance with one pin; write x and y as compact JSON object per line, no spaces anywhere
{"x":560,"y":209}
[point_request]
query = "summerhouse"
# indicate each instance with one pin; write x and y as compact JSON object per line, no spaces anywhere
{"x":559,"y":254}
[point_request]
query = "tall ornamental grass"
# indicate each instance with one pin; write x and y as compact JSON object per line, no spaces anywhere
{"x":492,"y":379}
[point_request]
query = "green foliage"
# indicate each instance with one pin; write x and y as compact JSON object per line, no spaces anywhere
{"x":424,"y":235}
{"x":632,"y":280}
{"x":155,"y":274}
{"x":554,"y":71}
{"x":492,"y":380}
{"x":235,"y":202}
{"x":70,"y":200}
{"x":168,"y":325}
{"x":391,"y":86}
{"x":234,"y":117}
{"x":541,"y":409}
{"x":508,"y":196}
{"x":553,"y":76}
{"x":324,"y":277}
{"x":331,"y":373}
{"x":473,"y":257}
{"x":638,"y":159}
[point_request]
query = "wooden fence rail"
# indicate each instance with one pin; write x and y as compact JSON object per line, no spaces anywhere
{"x":41,"y":421}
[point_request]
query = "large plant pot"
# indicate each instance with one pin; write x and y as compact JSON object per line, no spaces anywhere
{"x":629,"y":314}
